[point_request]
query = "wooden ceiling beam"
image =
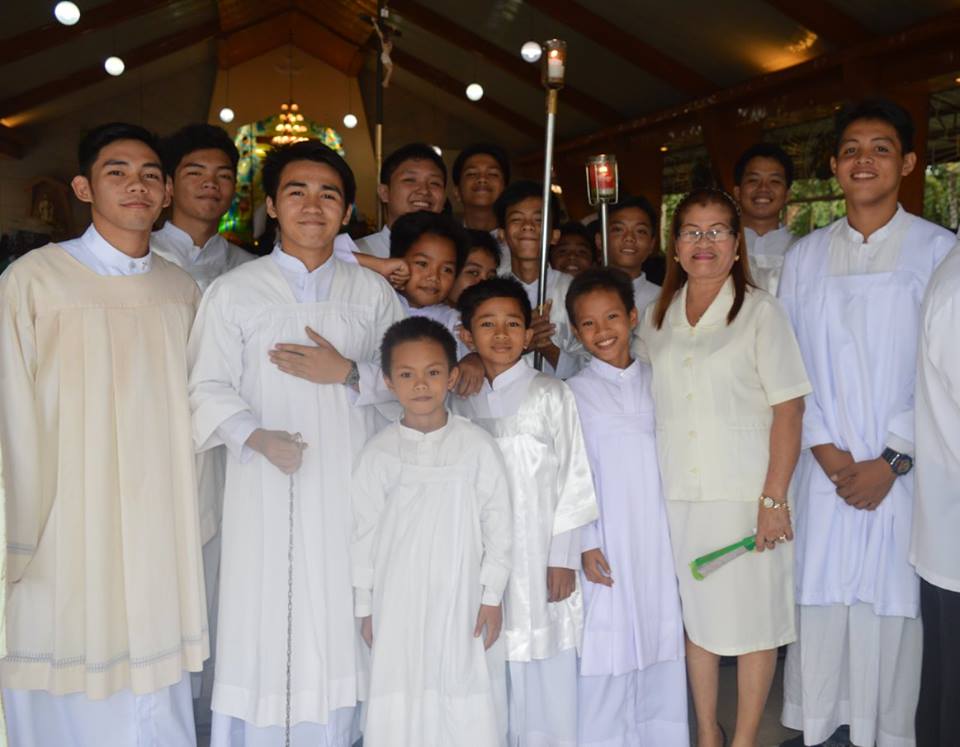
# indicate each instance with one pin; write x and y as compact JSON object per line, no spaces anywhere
{"x":290,"y":27}
{"x":12,"y":143}
{"x":132,"y":59}
{"x":53,"y":34}
{"x":824,"y":19}
{"x":446,"y":82}
{"x":444,"y":28}
{"x":626,"y":45}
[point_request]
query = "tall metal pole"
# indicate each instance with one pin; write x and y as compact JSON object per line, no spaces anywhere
{"x":603,"y":233}
{"x":547,"y":194}
{"x":554,"y":69}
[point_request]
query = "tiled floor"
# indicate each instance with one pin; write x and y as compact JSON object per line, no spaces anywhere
{"x":771,"y":732}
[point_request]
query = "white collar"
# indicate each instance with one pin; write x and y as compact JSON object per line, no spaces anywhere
{"x":612,"y":373}
{"x":854,"y":236}
{"x":295,"y":265}
{"x":519,"y":371}
{"x":112,"y":257}
{"x":181,"y":238}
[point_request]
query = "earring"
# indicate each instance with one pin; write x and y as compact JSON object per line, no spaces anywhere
{"x":676,"y":258}
{"x":736,"y":257}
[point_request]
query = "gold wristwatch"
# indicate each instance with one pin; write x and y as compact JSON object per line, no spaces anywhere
{"x":767,"y":502}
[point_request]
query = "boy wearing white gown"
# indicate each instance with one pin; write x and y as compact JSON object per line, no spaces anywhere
{"x":853,"y":292}
{"x":533,"y":418}
{"x":633,"y":685}
{"x":431,"y":557}
{"x":260,"y":350}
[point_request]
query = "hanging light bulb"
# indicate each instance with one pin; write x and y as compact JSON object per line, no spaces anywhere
{"x":474,"y":92}
{"x":436,"y":149}
{"x":349,"y":121}
{"x":531,"y":51}
{"x":114,"y":66}
{"x":67,"y":13}
{"x":226,"y":114}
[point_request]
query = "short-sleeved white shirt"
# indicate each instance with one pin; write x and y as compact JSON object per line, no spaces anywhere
{"x":714,"y":386}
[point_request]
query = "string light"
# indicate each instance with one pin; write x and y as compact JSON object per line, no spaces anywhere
{"x":531,"y":51}
{"x":114,"y":66}
{"x":67,"y":13}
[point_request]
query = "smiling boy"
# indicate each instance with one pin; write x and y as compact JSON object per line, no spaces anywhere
{"x":631,"y":239}
{"x":853,"y":291}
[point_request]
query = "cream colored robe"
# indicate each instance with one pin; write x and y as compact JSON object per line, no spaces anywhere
{"x":104,"y":574}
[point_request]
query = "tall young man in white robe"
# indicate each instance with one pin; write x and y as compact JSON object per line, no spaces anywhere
{"x":762,"y":178}
{"x":853,"y":291}
{"x":106,"y":612}
{"x":533,"y":418}
{"x":480,"y":173}
{"x":259,"y":385}
{"x":201,"y":162}
{"x":412,"y":178}
{"x":934,"y":551}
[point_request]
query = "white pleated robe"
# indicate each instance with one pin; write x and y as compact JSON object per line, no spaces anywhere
{"x":243,"y":315}
{"x":432,"y":535}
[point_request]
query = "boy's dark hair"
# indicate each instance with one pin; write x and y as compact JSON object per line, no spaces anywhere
{"x":600,"y":278}
{"x":414,"y":329}
{"x":519,"y":191}
{"x":408,"y":228}
{"x":641,"y":203}
{"x":497,"y":153}
{"x":763,"y":150}
{"x":308,"y":150}
{"x":411,"y":152}
{"x":200,"y":136}
{"x":475,"y":295}
{"x":576,"y":228}
{"x":483,"y":240}
{"x":100,"y":137}
{"x":875,"y":108}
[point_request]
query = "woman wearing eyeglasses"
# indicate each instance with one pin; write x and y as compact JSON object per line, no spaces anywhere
{"x":728,"y":387}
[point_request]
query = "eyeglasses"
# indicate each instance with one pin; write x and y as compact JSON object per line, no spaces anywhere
{"x":713,"y":235}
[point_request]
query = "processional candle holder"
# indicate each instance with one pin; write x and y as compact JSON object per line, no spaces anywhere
{"x":553,"y":71}
{"x":603,"y":189}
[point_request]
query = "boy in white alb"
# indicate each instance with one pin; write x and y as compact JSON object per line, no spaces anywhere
{"x":633,"y":684}
{"x":533,"y":418}
{"x":853,"y":292}
{"x":631,"y":239}
{"x":106,"y":612}
{"x":762,"y":177}
{"x":431,"y":557}
{"x":256,"y":384}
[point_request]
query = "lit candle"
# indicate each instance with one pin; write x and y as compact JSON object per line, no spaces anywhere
{"x":555,"y":66}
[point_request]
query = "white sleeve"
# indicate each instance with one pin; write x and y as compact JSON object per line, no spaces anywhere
{"x":368,"y":499}
{"x":496,"y":524}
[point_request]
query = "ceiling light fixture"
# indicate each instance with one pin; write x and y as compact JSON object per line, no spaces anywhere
{"x":226,"y":115}
{"x":67,"y":13}
{"x":349,"y":121}
{"x":474,"y":92}
{"x":114,"y":66}
{"x":531,"y":51}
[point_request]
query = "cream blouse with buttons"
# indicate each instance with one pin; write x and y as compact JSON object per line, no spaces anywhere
{"x":714,"y":386}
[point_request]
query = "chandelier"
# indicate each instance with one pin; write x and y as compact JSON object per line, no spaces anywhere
{"x":290,"y":127}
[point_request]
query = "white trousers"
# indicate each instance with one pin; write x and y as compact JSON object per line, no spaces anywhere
{"x":164,"y":718}
{"x":341,"y":730}
{"x":542,"y":701}
{"x":645,"y":708}
{"x":852,"y":666}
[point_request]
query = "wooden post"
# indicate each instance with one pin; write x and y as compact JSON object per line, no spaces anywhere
{"x":916,"y":100}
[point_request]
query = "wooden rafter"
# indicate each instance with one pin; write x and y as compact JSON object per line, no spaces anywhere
{"x":53,"y":34}
{"x":444,"y":28}
{"x":446,"y":82}
{"x":290,"y":27}
{"x":132,"y":58}
{"x":626,"y":45}
{"x":824,"y":19}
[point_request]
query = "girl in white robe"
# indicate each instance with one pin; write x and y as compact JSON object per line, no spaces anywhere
{"x":432,"y":541}
{"x":633,"y":684}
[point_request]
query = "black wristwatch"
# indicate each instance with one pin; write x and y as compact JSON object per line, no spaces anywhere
{"x":899,"y":463}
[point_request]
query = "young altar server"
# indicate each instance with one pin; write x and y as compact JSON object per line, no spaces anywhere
{"x":762,"y":177}
{"x":853,"y":291}
{"x":631,"y":239}
{"x":431,"y":557}
{"x":533,"y":418}
{"x":483,"y":260}
{"x":106,"y":610}
{"x":257,"y":381}
{"x":633,"y":682}
{"x":935,"y":551}
{"x":412,"y":178}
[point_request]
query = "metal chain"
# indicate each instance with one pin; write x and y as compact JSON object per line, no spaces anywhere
{"x":289,"y":686}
